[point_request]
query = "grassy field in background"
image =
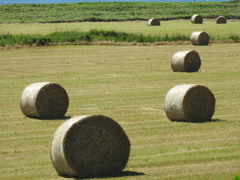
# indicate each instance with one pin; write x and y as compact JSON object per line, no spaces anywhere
{"x":129,"y":84}
{"x":177,"y":31}
{"x":115,"y":11}
{"x":184,"y":27}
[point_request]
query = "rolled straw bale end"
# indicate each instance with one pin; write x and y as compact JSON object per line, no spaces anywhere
{"x":44,"y":100}
{"x":196,"y":19}
{"x":199,"y":38}
{"x":153,"y":22}
{"x":89,"y":146}
{"x":221,"y":20}
{"x":186,"y":61}
{"x":190,"y":103}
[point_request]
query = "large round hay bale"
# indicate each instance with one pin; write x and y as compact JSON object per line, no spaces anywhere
{"x":44,"y":100}
{"x":221,"y":20}
{"x":190,"y":102}
{"x":196,"y":19}
{"x":90,"y":146}
{"x":153,"y":22}
{"x":186,"y":61}
{"x":199,"y":38}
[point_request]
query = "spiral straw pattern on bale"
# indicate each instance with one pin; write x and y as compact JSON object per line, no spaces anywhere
{"x":44,"y":100}
{"x":90,"y":146}
{"x":190,"y":102}
{"x":196,"y":19}
{"x":221,"y":20}
{"x":153,"y":22}
{"x":199,"y":38}
{"x":186,"y":61}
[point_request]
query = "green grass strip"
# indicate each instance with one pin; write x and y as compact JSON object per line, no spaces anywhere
{"x":74,"y":37}
{"x":237,"y":177}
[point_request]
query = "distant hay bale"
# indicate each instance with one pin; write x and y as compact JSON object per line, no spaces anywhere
{"x":44,"y":100}
{"x":221,"y":20}
{"x":199,"y":38}
{"x":153,"y":22}
{"x":186,"y":61}
{"x":89,"y":146}
{"x":196,"y":19}
{"x":189,"y":102}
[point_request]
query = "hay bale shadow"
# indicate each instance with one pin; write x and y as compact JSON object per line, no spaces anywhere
{"x":122,"y":174}
{"x":60,"y":118}
{"x":51,"y":119}
{"x":217,"y":120}
{"x":209,"y":120}
{"x":212,"y":120}
{"x":129,"y":173}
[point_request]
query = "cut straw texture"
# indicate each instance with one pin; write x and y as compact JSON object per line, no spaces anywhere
{"x":221,"y":20}
{"x":153,"y":22}
{"x":44,"y":100}
{"x":199,"y":38}
{"x":190,"y":103}
{"x":90,"y":146}
{"x":196,"y":19}
{"x":186,"y":61}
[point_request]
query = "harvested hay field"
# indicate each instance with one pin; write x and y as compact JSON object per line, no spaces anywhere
{"x":128,"y":84}
{"x":169,"y":27}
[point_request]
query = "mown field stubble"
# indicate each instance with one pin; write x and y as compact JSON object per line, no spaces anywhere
{"x":184,"y":27}
{"x":128,"y":84}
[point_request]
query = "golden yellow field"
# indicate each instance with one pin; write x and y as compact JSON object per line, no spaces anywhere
{"x":129,"y":84}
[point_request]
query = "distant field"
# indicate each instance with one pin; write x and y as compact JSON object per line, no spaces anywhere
{"x":184,"y":27}
{"x":115,"y":11}
{"x":177,"y":31}
{"x":129,"y":84}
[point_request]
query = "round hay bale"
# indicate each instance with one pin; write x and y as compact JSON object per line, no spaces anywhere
{"x":196,"y":19}
{"x":221,"y":20}
{"x":189,"y":102}
{"x":153,"y":22}
{"x":89,"y":146}
{"x":186,"y":61}
{"x":44,"y":100}
{"x":199,"y":38}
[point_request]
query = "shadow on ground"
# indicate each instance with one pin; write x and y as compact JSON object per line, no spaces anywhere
{"x":211,"y":120}
{"x":200,"y":121}
{"x":45,"y":119}
{"x":207,"y":121}
{"x":122,"y":174}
